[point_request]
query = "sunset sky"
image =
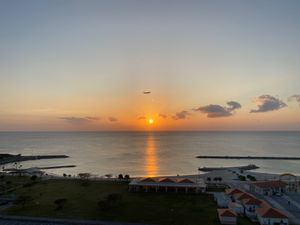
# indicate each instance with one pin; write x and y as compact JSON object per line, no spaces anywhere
{"x":210,"y":65}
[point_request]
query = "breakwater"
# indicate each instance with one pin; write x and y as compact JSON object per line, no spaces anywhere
{"x":248,"y":157}
{"x":20,"y":158}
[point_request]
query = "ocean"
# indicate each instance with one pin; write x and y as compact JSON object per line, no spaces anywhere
{"x":152,"y":153}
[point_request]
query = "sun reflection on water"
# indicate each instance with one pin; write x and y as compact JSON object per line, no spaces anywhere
{"x":151,"y":159}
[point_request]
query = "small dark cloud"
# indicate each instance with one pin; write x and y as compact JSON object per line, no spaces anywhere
{"x":92,"y":118}
{"x":233,"y":105}
{"x":141,"y":118}
{"x":181,"y":115}
{"x":266,"y":103}
{"x":164,"y":116}
{"x":112,"y":119}
{"x":294,"y":97}
{"x":79,"y":120}
{"x":213,"y":111}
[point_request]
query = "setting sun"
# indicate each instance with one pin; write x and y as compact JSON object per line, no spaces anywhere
{"x":150,"y":121}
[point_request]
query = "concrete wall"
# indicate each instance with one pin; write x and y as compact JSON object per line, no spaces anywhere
{"x":227,"y":220}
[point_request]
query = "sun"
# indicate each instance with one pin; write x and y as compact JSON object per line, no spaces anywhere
{"x":150,"y":121}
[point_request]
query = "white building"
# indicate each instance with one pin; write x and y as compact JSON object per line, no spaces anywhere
{"x":271,"y":216}
{"x":250,"y":206}
{"x":227,"y":216}
{"x":268,"y":187}
{"x":236,"y":207}
{"x":165,"y":184}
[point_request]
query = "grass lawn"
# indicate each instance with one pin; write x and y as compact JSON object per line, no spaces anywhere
{"x":82,"y":203}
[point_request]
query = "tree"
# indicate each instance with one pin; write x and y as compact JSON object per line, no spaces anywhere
{"x":127,"y":177}
{"x":120,"y":177}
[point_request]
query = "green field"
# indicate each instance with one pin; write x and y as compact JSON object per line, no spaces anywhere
{"x":82,"y":203}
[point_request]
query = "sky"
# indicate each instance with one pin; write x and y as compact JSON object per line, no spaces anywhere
{"x":209,"y":65}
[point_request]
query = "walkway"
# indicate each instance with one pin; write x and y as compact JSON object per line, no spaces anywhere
{"x":20,"y":220}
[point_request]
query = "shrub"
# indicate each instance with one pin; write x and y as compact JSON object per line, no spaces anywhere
{"x":23,"y":199}
{"x":104,"y":205}
{"x":60,"y":202}
{"x":242,"y":178}
{"x":33,"y":177}
{"x":111,"y":201}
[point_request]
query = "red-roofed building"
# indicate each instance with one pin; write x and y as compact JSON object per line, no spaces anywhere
{"x":232,"y":191}
{"x":241,"y":196}
{"x":250,"y":206}
{"x":227,"y":216}
{"x":268,"y":187}
{"x":271,"y":216}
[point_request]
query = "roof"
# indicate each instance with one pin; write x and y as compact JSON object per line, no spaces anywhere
{"x":270,"y":184}
{"x":252,"y":201}
{"x":242,"y":196}
{"x":185,"y":180}
{"x":232,"y":191}
{"x":166,"y":180}
{"x":226,"y":213}
{"x":270,"y":213}
{"x":264,"y":204}
{"x":148,"y":179}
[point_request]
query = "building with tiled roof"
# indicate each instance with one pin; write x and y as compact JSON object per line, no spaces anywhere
{"x":167,"y":184}
{"x":227,"y":216}
{"x":232,"y":191}
{"x":268,"y":187}
{"x":271,"y":216}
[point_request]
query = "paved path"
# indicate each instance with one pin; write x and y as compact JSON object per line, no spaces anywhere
{"x":20,"y":220}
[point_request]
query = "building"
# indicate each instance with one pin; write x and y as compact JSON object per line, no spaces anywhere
{"x":232,"y":191}
{"x":166,"y":184}
{"x":268,"y":187}
{"x":250,"y":206}
{"x":227,"y":216}
{"x":241,"y":196}
{"x":236,"y":207}
{"x":271,"y":216}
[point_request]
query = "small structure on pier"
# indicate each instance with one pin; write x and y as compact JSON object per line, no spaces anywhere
{"x":167,"y":184}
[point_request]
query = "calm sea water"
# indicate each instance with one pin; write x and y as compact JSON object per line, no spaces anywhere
{"x":152,"y":153}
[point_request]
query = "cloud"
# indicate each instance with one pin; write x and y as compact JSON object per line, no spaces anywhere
{"x":213,"y":111}
{"x":164,"y":116}
{"x":141,"y":118}
{"x":266,"y":103}
{"x":294,"y":97}
{"x":181,"y":115}
{"x":112,"y":119}
{"x":79,"y":120}
{"x":233,"y":105}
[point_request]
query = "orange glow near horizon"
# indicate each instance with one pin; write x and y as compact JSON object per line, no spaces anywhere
{"x":151,"y":159}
